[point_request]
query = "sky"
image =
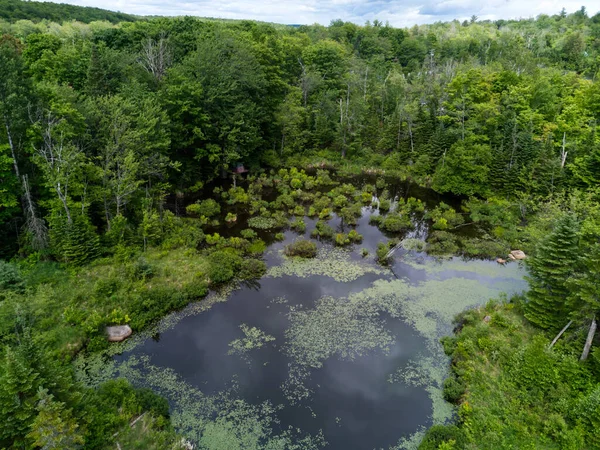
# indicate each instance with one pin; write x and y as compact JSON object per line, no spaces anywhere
{"x":399,"y":13}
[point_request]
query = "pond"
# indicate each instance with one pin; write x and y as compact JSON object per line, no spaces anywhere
{"x":335,"y":351}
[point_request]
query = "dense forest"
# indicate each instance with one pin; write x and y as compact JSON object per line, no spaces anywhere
{"x":114,"y":126}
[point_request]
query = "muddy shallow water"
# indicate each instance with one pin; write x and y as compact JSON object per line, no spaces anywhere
{"x":336,"y":351}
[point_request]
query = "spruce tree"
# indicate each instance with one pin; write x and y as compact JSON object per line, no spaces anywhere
{"x":549,"y":269}
{"x":17,"y":397}
{"x":584,"y":300}
{"x":54,"y":427}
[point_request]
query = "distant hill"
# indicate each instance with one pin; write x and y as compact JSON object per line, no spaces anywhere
{"x":13,"y":10}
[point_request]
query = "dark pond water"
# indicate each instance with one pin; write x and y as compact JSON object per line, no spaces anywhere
{"x":338,"y":345}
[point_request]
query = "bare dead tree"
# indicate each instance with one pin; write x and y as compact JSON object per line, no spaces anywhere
{"x":563,"y":152}
{"x":588,"y":341}
{"x":57,"y":157}
{"x":156,"y":56}
{"x":33,"y":223}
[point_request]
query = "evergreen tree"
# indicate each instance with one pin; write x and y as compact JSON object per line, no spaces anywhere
{"x":17,"y":397}
{"x":549,"y":270}
{"x":584,"y":301}
{"x":54,"y":427}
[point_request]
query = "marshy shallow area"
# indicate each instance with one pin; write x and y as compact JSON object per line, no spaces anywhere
{"x":335,"y":350}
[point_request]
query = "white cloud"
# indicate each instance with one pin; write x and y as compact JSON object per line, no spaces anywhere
{"x":402,"y":13}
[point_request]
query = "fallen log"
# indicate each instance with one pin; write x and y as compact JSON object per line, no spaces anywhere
{"x":560,"y":333}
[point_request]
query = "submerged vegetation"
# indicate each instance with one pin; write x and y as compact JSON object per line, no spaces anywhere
{"x":455,"y":139}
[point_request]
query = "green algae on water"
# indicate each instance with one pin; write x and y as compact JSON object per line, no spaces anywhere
{"x":330,"y":262}
{"x":254,"y":338}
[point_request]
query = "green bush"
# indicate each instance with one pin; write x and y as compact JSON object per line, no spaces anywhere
{"x":248,"y":233}
{"x":207,"y":208}
{"x":341,"y":239}
{"x":141,"y":269}
{"x":384,"y":204}
{"x":354,"y":236}
{"x":10,"y":277}
{"x":375,"y":220}
{"x":323,"y":230}
{"x":396,"y":223}
{"x":252,"y":269}
{"x":381,"y":254}
{"x":340,"y":201}
{"x":223,"y":266}
{"x":438,"y":435}
{"x":453,"y":389}
{"x":299,"y":225}
{"x":303,"y":248}
{"x":442,"y":243}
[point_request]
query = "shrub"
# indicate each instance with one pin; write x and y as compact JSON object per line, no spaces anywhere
{"x":252,"y":269}
{"x":303,"y":248}
{"x":364,"y":252}
{"x":453,"y":389}
{"x":141,"y":269}
{"x":10,"y":277}
{"x":231,"y":217}
{"x":396,"y":223}
{"x":380,"y":183}
{"x":442,"y":243}
{"x":238,"y":195}
{"x":325,"y":214}
{"x":213,"y":239}
{"x":207,"y":208}
{"x":340,"y":201}
{"x":257,"y":247}
{"x":416,"y":245}
{"x":375,"y":220}
{"x":341,"y":239}
{"x":248,"y":233}
{"x":381,"y":254}
{"x":366,"y":198}
{"x":323,"y":230}
{"x":279,"y":236}
{"x":224,"y":265}
{"x":484,"y":248}
{"x":384,"y":204}
{"x":438,"y":435}
{"x":299,"y":225}
{"x":296,"y":183}
{"x":298,"y":211}
{"x":354,"y":236}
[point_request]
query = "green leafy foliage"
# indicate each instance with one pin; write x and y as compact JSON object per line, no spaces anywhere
{"x":303,"y":248}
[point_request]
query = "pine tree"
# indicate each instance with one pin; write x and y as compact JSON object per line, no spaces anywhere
{"x":584,"y":301}
{"x":17,"y":396}
{"x":549,"y":270}
{"x":54,"y":427}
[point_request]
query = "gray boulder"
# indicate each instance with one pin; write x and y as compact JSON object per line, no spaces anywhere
{"x":118,"y":333}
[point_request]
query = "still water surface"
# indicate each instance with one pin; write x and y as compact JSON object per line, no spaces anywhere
{"x":345,"y":352}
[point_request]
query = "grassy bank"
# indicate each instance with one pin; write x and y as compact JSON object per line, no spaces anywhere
{"x":512,"y":391}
